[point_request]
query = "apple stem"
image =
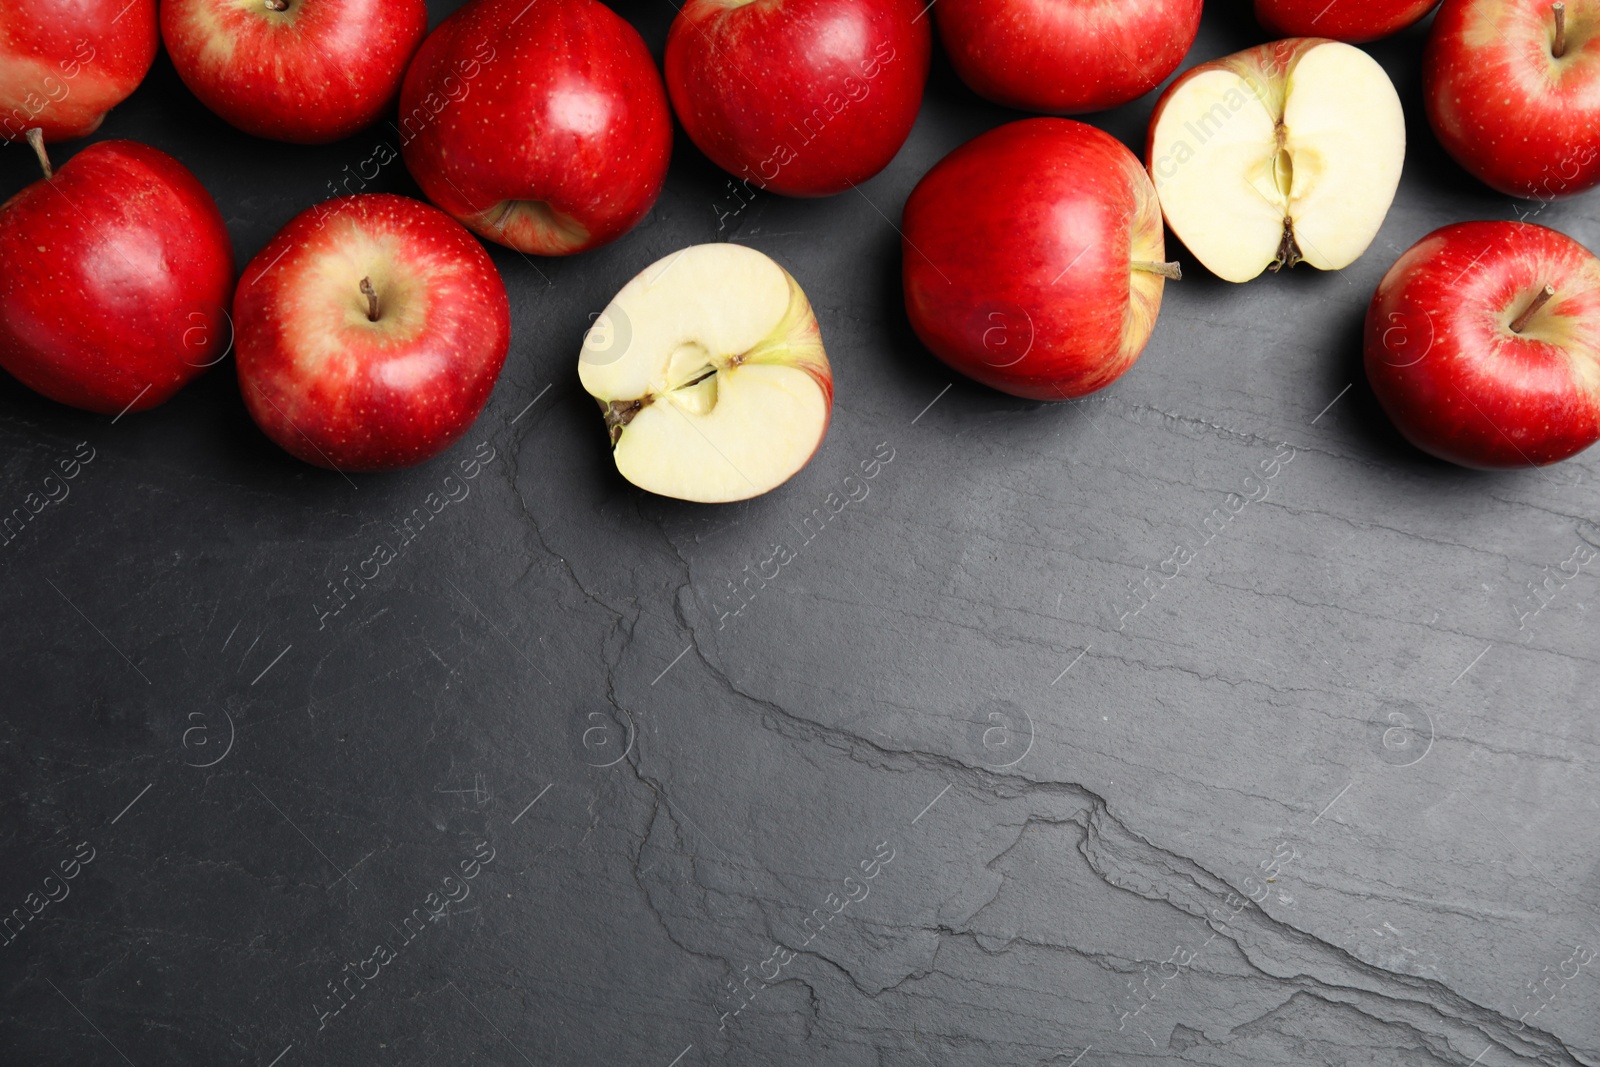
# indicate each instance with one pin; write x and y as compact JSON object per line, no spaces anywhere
{"x":36,"y":141}
{"x":1560,"y":48}
{"x":1166,"y":270}
{"x":372,"y":299}
{"x":1520,"y":323}
{"x":277,"y":5}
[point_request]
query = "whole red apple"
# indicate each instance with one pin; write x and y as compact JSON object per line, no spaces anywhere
{"x":115,"y":273}
{"x":1483,"y":345}
{"x":1512,"y":89}
{"x":305,"y":71}
{"x":802,"y":97}
{"x":1351,"y":21}
{"x":1034,"y":259}
{"x":543,"y":126}
{"x":371,"y":330}
{"x":1066,"y":58}
{"x":63,"y":65}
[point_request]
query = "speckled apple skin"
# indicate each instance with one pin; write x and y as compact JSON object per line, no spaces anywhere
{"x":556,"y":101}
{"x":1456,"y":381}
{"x":1066,"y":58}
{"x":115,"y":277}
{"x":63,"y":65}
{"x":1521,"y":121}
{"x":1350,"y":21}
{"x":339,"y":392}
{"x":1017,"y":251}
{"x":318,"y":72}
{"x":799,"y":97}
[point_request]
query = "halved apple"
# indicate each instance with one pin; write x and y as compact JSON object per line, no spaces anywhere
{"x":1283,"y":154}
{"x":709,"y":369}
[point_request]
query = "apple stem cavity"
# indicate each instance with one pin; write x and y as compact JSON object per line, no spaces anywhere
{"x":277,"y":5}
{"x":1560,"y":47}
{"x":372,"y":299}
{"x":36,"y":141}
{"x":1166,"y":270}
{"x":1520,"y":323}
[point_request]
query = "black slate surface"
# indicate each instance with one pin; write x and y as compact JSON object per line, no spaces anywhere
{"x":1073,"y":822}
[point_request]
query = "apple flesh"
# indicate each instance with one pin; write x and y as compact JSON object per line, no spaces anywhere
{"x":1066,"y":58}
{"x":710,"y":372}
{"x":115,"y":274}
{"x":1483,"y":345}
{"x":543,"y":126}
{"x":801,"y":97}
{"x":63,"y":65}
{"x":1513,"y":93}
{"x":371,"y":330}
{"x":1034,"y":259}
{"x":304,"y":71}
{"x":1351,"y":21}
{"x":1284,"y":154}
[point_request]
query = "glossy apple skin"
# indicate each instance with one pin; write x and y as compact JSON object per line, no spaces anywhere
{"x":1521,"y":121}
{"x":344,"y":393}
{"x":1017,"y":259}
{"x":65,"y":63}
{"x":1350,"y":21}
{"x":115,"y":277}
{"x":1066,"y":58}
{"x":800,"y":97}
{"x":318,"y":72}
{"x":557,"y":102}
{"x":1454,"y":378}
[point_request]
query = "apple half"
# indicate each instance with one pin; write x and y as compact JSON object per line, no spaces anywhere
{"x":709,"y":370}
{"x":1283,"y":154}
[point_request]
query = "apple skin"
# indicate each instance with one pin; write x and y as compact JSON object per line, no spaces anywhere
{"x":1450,"y":373}
{"x":317,"y":72}
{"x":63,"y":65}
{"x":1521,"y":121}
{"x":1350,"y":21}
{"x":800,"y":97}
{"x":115,"y":277}
{"x":1066,"y":58}
{"x":347,"y":394}
{"x":556,"y":134}
{"x":1018,"y":251}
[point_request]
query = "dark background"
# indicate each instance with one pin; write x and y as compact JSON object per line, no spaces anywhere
{"x":1338,"y":691}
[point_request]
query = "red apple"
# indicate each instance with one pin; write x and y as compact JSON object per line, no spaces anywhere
{"x":1512,"y":89}
{"x":1066,"y":57}
{"x":65,"y":63}
{"x":1483,"y":345}
{"x":541,"y":125}
{"x":1351,"y":21}
{"x":802,"y":97}
{"x":306,"y":71}
{"x":1034,"y":259}
{"x":370,"y":332}
{"x":115,"y":273}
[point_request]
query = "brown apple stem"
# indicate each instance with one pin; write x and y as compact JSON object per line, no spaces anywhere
{"x":1521,"y":321}
{"x":372,"y":299}
{"x":1166,"y":270}
{"x":36,"y":141}
{"x":1560,"y":48}
{"x":277,"y":5}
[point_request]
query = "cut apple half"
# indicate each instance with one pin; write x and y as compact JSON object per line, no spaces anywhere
{"x":1283,"y":154}
{"x":710,"y":374}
